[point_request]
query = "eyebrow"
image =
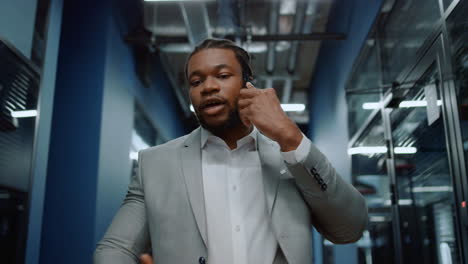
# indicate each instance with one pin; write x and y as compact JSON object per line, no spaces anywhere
{"x":217,"y":67}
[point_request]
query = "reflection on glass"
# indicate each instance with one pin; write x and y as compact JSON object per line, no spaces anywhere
{"x":458,"y":31}
{"x":364,"y":87}
{"x":370,"y":177}
{"x":404,"y":32}
{"x":447,"y":3}
{"x":424,"y":183}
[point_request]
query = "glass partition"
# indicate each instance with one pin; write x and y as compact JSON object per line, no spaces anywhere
{"x":457,"y":26}
{"x":369,"y":171}
{"x":404,"y":32}
{"x":424,"y":181}
{"x":364,"y":88}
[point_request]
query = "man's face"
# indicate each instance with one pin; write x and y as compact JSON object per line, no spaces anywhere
{"x":215,"y":80}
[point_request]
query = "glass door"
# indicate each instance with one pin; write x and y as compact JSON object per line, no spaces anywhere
{"x":425,"y":182}
{"x":369,"y":155}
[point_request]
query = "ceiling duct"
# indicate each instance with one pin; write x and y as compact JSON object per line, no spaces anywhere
{"x":303,"y":26}
{"x":228,"y":22}
{"x":272,"y":29}
{"x":196,"y":21}
{"x":306,"y":29}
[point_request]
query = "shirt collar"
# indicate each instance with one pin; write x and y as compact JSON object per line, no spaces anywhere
{"x":205,"y":135}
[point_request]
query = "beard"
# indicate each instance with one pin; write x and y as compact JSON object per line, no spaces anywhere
{"x":232,"y":122}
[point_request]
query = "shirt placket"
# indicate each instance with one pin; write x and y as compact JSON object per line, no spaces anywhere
{"x":237,"y":228}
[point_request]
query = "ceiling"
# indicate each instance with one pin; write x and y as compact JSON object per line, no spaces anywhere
{"x":283,"y":37}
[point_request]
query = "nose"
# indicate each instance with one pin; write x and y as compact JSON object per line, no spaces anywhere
{"x":210,"y":86}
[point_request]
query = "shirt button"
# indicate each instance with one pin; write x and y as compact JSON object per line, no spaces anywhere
{"x":234,"y":187}
{"x":237,"y":228}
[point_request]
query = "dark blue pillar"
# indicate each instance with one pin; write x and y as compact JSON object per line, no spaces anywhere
{"x":43,"y":129}
{"x":70,"y":201}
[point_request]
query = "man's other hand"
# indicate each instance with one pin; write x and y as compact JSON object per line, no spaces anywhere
{"x":146,"y":259}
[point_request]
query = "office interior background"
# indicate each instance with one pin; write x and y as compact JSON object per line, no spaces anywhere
{"x":380,"y":86}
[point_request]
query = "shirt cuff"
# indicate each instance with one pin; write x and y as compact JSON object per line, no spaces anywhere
{"x":298,"y":155}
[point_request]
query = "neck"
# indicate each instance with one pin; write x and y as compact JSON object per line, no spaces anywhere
{"x":233,"y":134}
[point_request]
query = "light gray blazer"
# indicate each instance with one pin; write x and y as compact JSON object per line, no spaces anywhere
{"x":164,"y":210}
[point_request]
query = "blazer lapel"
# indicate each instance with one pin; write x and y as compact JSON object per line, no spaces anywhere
{"x":271,"y":163}
{"x":192,"y":170}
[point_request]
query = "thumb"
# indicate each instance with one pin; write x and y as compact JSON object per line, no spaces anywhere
{"x":146,"y":259}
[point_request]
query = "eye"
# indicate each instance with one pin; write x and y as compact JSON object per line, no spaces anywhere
{"x":195,"y":83}
{"x":224,"y":76}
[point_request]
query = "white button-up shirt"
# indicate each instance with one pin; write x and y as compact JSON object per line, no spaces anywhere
{"x":238,"y":227}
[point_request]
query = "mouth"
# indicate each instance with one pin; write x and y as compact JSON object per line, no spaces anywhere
{"x":212,"y":106}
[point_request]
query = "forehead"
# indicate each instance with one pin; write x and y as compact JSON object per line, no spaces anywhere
{"x":207,"y":59}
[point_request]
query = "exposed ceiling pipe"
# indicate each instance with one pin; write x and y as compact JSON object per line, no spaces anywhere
{"x":227,"y":22}
{"x":307,"y":25}
{"x":272,"y":28}
{"x":287,"y":91}
{"x":196,"y":21}
{"x":298,"y":22}
{"x":150,"y":11}
{"x":303,"y":26}
{"x":146,"y":39}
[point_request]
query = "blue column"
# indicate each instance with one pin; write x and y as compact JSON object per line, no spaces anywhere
{"x":89,"y":166}
{"x":70,"y":202}
{"x":43,"y":129}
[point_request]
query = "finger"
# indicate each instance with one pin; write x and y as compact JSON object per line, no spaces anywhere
{"x":146,"y":259}
{"x":243,"y":103}
{"x":248,"y":93}
{"x":249,"y":85}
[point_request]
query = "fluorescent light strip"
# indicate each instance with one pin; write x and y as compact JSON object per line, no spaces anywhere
{"x":367,"y":150}
{"x":400,"y":202}
{"x":403,"y":104}
{"x":134,"y":155}
{"x":24,"y":113}
{"x":381,"y":150}
{"x":370,"y":106}
{"x":405,"y":150}
{"x":424,"y":189}
{"x":377,"y":218}
{"x":286,"y":107}
{"x":293,"y":107}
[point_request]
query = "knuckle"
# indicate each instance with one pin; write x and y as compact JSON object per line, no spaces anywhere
{"x":271,"y":91}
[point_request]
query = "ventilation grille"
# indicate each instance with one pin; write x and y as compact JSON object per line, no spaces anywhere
{"x":19,"y":87}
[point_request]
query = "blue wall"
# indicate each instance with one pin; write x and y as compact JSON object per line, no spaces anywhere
{"x":328,"y":127}
{"x":89,"y":166}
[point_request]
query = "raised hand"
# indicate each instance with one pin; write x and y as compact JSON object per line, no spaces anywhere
{"x":262,"y":108}
{"x":146,"y":259}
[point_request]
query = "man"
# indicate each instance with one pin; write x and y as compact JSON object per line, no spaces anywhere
{"x":245,"y":187}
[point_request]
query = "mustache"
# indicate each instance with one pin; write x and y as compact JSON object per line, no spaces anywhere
{"x":214,"y":99}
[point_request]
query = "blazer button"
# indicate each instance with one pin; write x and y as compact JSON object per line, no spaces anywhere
{"x":201,"y":260}
{"x":324,"y":187}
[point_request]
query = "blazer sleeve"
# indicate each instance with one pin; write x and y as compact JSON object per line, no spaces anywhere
{"x":127,"y":237}
{"x":338,"y":210}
